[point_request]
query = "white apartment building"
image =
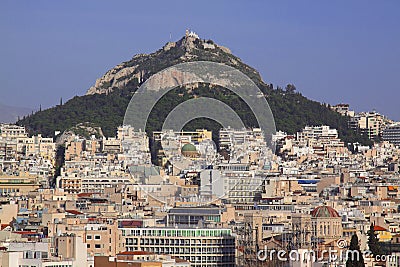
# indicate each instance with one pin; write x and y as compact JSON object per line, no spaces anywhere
{"x":71,"y":253}
{"x":230,"y":137}
{"x":370,"y":123}
{"x":203,"y":247}
{"x":317,"y":132}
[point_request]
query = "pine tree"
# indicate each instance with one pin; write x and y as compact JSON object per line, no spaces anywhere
{"x":373,"y":241}
{"x":355,"y":259}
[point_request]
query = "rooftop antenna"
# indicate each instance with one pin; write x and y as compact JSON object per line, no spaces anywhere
{"x":170,"y":36}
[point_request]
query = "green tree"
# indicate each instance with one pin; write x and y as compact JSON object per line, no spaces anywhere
{"x":290,"y":88}
{"x":355,"y":259}
{"x":373,"y":241}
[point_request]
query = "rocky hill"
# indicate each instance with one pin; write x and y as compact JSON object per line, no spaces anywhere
{"x":105,"y":102}
{"x":129,"y":74}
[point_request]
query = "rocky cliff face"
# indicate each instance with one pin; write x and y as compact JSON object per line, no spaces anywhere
{"x":117,"y":77}
{"x":130,"y":74}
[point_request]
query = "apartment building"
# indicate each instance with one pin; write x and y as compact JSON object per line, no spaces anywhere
{"x":204,"y":247}
{"x":369,"y":123}
{"x":317,"y":132}
{"x":392,"y":134}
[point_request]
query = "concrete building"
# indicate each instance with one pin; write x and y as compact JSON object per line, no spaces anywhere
{"x":369,"y":123}
{"x":12,"y":131}
{"x":317,"y":132}
{"x":198,"y":216}
{"x":70,"y":252}
{"x":211,"y":185}
{"x":17,"y":184}
{"x":37,"y":146}
{"x":8,"y":211}
{"x":204,"y":247}
{"x":343,"y":109}
{"x":197,"y":136}
{"x":392,"y":134}
{"x":241,"y":185}
{"x":71,"y":247}
{"x":229,"y":137}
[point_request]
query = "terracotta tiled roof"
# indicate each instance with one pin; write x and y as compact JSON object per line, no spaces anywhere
{"x":85,"y":194}
{"x":76,"y":212}
{"x":324,"y":212}
{"x":379,"y":228}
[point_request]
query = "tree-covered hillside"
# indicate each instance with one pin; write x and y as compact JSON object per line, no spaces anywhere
{"x":105,"y":103}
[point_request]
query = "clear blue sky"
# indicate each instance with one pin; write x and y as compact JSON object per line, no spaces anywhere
{"x":333,"y":51}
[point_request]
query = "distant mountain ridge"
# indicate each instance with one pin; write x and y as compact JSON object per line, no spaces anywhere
{"x":105,"y":102}
{"x":10,"y":114}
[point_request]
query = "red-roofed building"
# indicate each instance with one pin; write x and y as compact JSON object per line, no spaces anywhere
{"x":379,"y":228}
{"x":382,"y":233}
{"x":130,"y":223}
{"x":75,"y":212}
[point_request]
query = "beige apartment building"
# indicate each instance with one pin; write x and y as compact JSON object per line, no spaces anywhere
{"x":371,"y":123}
{"x":18,"y":185}
{"x":12,"y":131}
{"x":73,"y":150}
{"x":37,"y":145}
{"x":101,"y":236}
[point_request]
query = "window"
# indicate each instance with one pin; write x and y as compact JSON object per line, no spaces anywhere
{"x":88,"y":237}
{"x":97,"y":237}
{"x":97,"y":246}
{"x":88,"y":245}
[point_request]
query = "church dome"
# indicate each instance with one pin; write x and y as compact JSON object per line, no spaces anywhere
{"x":188,"y":148}
{"x":324,"y":212}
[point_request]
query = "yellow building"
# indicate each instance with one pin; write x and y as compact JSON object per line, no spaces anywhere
{"x":383,"y":234}
{"x":18,"y":184}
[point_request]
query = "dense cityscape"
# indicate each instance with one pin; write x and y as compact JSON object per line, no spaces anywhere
{"x":107,"y":204}
{"x":199,"y":133}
